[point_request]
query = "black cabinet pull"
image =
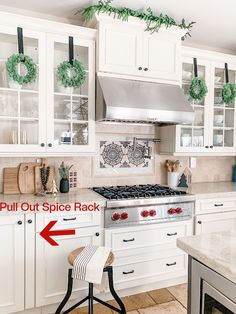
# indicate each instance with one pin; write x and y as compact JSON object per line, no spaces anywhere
{"x":145,"y":69}
{"x":211,"y":146}
{"x":19,"y":222}
{"x":97,"y":234}
{"x":129,"y":240}
{"x":218,"y":205}
{"x":207,"y":146}
{"x":50,"y":145}
{"x":128,"y":272}
{"x":199,"y":222}
{"x":171,"y":264}
{"x":29,"y":221}
{"x":172,"y":234}
{"x":69,"y":219}
{"x":42,"y":144}
{"x":140,"y":68}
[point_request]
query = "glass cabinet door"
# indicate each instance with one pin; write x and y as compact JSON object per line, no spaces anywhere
{"x":193,"y":137}
{"x":71,"y":110}
{"x":223,"y":130}
{"x":21,"y":107}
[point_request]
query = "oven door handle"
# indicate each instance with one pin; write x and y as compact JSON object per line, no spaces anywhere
{"x":129,"y":240}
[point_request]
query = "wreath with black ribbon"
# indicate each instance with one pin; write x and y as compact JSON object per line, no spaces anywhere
{"x":71,"y":73}
{"x":198,"y":88}
{"x":229,"y":89}
{"x":14,"y":60}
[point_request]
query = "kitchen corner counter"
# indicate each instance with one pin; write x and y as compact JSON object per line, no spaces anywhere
{"x":84,"y":196}
{"x":213,"y":189}
{"x":215,"y":250}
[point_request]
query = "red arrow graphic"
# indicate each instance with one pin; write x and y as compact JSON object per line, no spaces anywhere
{"x":47,"y":233}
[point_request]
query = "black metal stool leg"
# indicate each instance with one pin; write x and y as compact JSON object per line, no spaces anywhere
{"x":112,"y":290}
{"x":90,"y":298}
{"x":68,"y":293}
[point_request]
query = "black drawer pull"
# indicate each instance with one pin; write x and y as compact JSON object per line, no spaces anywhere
{"x":69,"y":219}
{"x":128,"y":272}
{"x":171,"y":264}
{"x":129,"y":240}
{"x":218,"y":205}
{"x":172,"y":234}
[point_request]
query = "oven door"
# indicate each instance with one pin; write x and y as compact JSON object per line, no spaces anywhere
{"x":214,"y":302}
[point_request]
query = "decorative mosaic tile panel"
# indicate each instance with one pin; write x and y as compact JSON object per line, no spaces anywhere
{"x":120,"y":154}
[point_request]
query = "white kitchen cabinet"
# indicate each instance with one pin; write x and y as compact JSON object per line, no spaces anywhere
{"x":214,"y":126}
{"x":215,"y":222}
{"x":52,"y":265}
{"x":44,"y":117}
{"x":126,"y":48}
{"x":12,"y":269}
{"x":146,"y":254}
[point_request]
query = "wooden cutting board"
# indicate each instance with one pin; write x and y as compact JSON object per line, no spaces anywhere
{"x":38,"y":182}
{"x":26,"y":178}
{"x":10,"y":181}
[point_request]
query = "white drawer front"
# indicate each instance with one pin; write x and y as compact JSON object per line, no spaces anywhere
{"x":68,"y":220}
{"x":215,"y":205}
{"x":147,"y":237}
{"x":149,"y":268}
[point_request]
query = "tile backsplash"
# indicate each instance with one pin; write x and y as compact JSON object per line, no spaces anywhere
{"x":208,"y":169}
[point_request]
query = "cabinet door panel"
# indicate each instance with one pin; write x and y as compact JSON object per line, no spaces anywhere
{"x":71,"y":109}
{"x":22,"y":107}
{"x":120,"y":49}
{"x":52,"y":265}
{"x":162,"y":56}
{"x":12,"y":264}
{"x":215,"y":222}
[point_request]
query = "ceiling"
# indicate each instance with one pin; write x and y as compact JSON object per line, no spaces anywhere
{"x":215,"y":26}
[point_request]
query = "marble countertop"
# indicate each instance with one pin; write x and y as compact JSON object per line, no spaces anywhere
{"x":213,"y":189}
{"x":215,"y":250}
{"x":84,"y":196}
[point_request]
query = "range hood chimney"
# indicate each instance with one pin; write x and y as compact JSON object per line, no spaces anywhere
{"x":129,"y":101}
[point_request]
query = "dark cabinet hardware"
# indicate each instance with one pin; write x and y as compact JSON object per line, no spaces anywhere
{"x":207,"y":146}
{"x":69,"y":219}
{"x":29,"y":221}
{"x":172,"y":234}
{"x":129,"y":240}
{"x":19,"y":222}
{"x":218,"y":205}
{"x":199,"y":222}
{"x":128,"y":272}
{"x":42,"y":144}
{"x":145,"y":69}
{"x":140,"y":68}
{"x":211,"y":146}
{"x":97,"y":234}
{"x":171,"y":264}
{"x":50,"y":145}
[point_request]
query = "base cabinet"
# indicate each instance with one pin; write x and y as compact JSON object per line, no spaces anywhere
{"x":12,"y":264}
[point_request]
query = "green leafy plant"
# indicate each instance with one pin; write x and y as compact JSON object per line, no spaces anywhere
{"x":229,"y":93}
{"x":71,"y":75}
{"x":153,"y":22}
{"x":64,"y":170}
{"x":12,"y":68}
{"x":198,"y":89}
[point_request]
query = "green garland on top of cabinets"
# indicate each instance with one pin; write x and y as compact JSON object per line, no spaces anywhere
{"x":153,"y":22}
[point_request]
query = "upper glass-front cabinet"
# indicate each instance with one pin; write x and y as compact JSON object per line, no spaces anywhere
{"x":22,"y":106}
{"x":71,"y":116}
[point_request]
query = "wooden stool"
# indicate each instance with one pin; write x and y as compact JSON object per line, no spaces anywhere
{"x":90,"y":298}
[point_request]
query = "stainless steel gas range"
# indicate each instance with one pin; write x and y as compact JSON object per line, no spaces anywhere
{"x":145,"y":204}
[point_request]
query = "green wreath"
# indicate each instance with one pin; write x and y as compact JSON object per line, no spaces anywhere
{"x":197,"y":89}
{"x":12,"y":68}
{"x":229,"y":93}
{"x":78,"y":77}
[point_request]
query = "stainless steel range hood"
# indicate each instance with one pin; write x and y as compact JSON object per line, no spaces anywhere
{"x":130,"y":101}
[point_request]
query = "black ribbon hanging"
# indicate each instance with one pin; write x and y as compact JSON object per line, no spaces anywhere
{"x":20,"y":40}
{"x":226,"y":73}
{"x":71,"y":49}
{"x":195,"y":67}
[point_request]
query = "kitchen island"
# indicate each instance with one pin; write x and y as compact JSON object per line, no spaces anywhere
{"x":212,"y":272}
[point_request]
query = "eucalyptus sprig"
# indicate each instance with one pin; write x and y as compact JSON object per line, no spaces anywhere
{"x":64,"y":171}
{"x":153,"y":22}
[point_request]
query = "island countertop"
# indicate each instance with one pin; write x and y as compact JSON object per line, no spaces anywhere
{"x":215,"y":250}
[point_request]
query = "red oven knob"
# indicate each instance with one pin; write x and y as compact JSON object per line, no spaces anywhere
{"x":178,"y":210}
{"x":145,"y":213}
{"x":124,"y":216}
{"x":152,"y":213}
{"x":171,"y":211}
{"x":115,"y":216}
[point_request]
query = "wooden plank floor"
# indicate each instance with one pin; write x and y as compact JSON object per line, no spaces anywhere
{"x":172,"y":300}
